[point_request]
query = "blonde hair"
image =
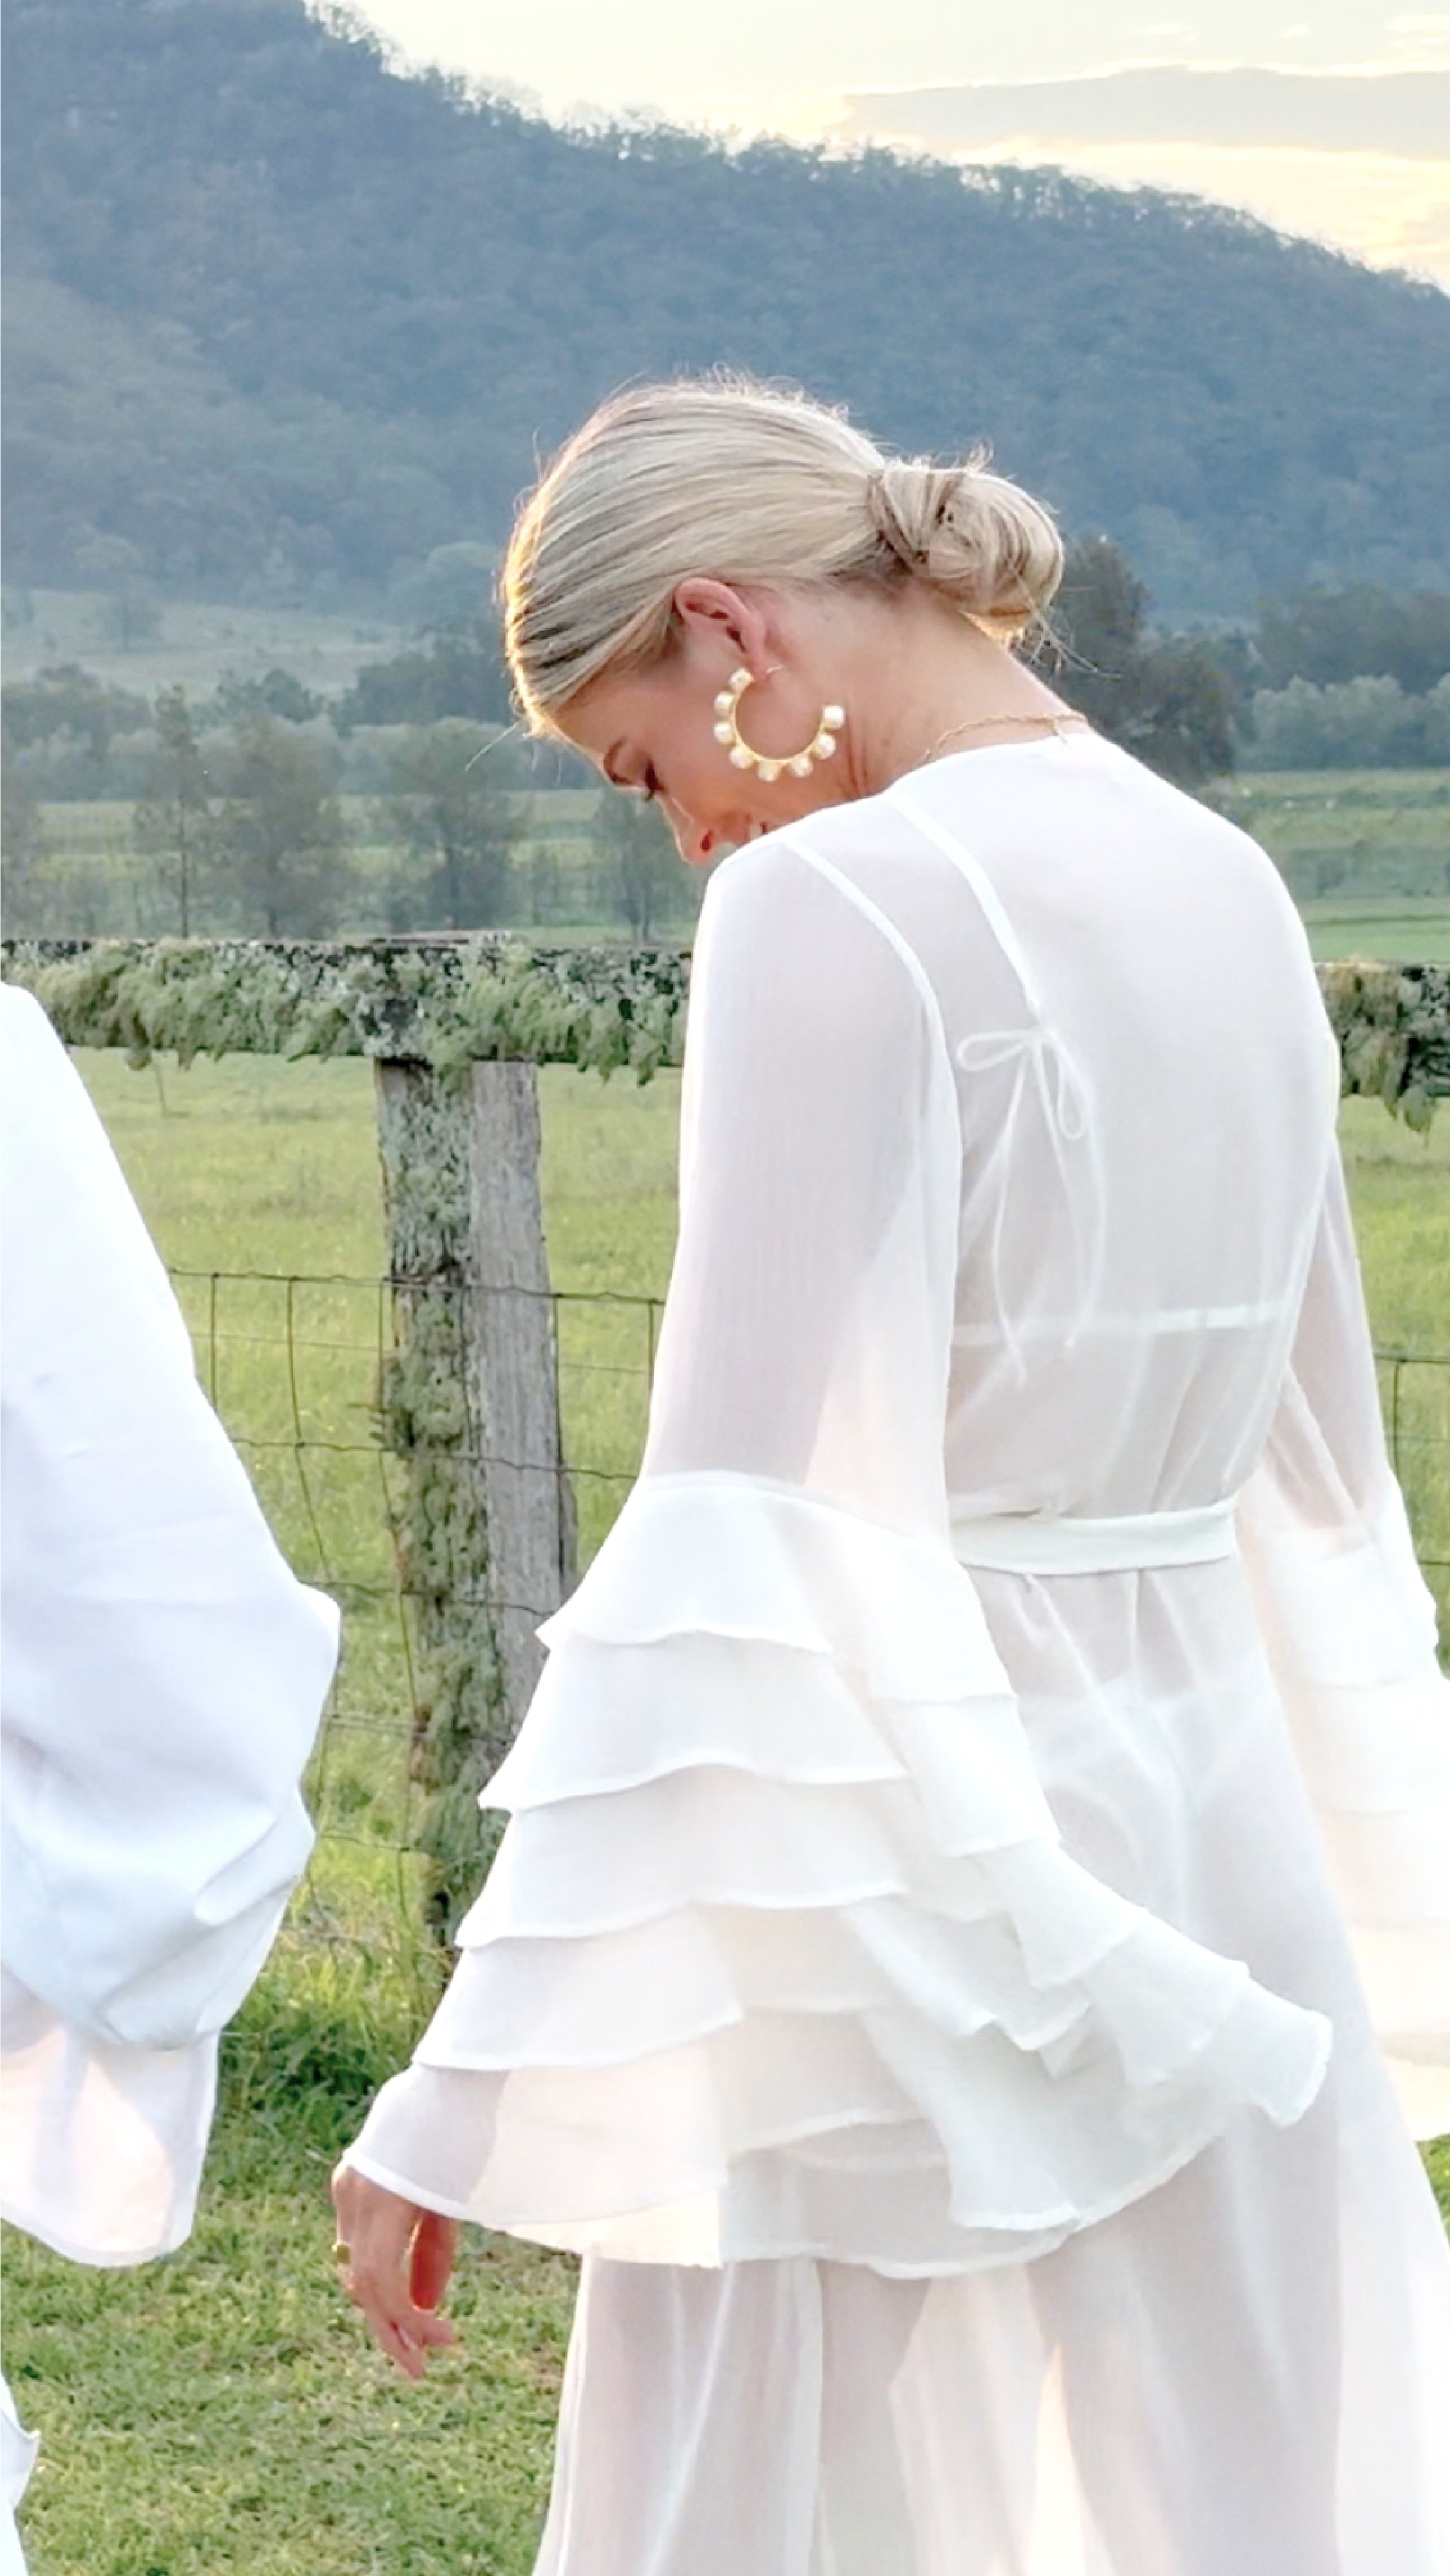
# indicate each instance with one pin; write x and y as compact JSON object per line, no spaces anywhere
{"x":733,"y":480}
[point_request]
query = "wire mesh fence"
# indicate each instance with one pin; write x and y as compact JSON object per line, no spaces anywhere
{"x":296,"y":1366}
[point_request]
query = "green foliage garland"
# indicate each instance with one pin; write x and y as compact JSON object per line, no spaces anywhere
{"x":1393,"y":1028}
{"x":450,"y":1002}
{"x":441,"y":1002}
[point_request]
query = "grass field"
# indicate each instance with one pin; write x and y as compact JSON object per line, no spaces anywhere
{"x":219,"y":2415}
{"x":1401,"y":929}
{"x":196,"y":643}
{"x":1355,"y":835}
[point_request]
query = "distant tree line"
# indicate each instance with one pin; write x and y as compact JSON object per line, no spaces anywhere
{"x":1355,"y":678}
{"x":234,"y":823}
{"x":407,"y":802}
{"x":285,"y":323}
{"x":1369,"y":723}
{"x":1352,"y":679}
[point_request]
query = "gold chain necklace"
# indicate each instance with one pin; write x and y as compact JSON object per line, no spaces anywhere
{"x":1068,"y":722}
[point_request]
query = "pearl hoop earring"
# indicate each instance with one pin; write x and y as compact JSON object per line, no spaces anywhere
{"x":767,"y":767}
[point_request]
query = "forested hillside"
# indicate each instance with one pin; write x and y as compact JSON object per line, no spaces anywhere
{"x":284,"y":321}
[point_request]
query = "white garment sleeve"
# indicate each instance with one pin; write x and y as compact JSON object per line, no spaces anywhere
{"x":1350,"y":1628}
{"x":781,"y":1951}
{"x":164,"y":1678}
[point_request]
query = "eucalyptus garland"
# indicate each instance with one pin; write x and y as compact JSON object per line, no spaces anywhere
{"x":1393,"y":1028}
{"x":449,"y":1002}
{"x":445,"y":1003}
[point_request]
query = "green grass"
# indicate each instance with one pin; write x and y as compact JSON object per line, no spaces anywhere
{"x":1400,"y":1184}
{"x":220,"y":2414}
{"x":1401,"y":929}
{"x":221,"y":2411}
{"x":1350,"y":836}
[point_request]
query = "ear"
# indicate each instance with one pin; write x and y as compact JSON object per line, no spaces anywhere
{"x":728,"y":624}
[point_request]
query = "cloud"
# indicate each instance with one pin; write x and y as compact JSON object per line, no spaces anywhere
{"x":1405,"y":114}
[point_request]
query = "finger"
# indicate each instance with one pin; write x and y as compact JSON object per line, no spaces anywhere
{"x":434,"y":2241}
{"x":408,"y":2357}
{"x":377,"y":2231}
{"x":406,"y":2334}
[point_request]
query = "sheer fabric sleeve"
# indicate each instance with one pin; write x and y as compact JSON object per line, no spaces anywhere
{"x":164,"y":1677}
{"x":1351,"y":1632}
{"x":781,"y":1952}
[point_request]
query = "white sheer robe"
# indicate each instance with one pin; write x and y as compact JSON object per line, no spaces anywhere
{"x":913,"y":1962}
{"x":164,"y":1676}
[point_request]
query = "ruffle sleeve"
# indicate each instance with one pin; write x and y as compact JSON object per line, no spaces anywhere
{"x":782,"y":1952}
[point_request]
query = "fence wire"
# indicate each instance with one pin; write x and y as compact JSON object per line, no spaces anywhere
{"x":295,"y":1364}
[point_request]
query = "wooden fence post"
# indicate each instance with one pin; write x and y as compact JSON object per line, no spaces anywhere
{"x":470,"y":1405}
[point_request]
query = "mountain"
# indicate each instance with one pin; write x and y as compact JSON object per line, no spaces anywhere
{"x":286,"y":320}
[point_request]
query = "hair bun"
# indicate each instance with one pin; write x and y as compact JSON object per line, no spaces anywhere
{"x":983,"y":542}
{"x":756,"y":487}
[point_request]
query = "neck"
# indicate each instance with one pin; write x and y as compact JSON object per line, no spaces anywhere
{"x":951,"y":686}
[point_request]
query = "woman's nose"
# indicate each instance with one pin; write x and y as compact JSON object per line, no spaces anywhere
{"x":697,"y":842}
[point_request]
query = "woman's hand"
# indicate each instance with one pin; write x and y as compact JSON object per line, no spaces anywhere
{"x":396,"y":2260}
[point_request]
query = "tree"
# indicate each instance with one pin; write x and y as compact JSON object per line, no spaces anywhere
{"x":459,"y":673}
{"x":1167,"y":699}
{"x":645,"y":867}
{"x":1099,"y":616}
{"x":173,"y":821}
{"x":280,"y":837}
{"x":64,"y":698}
{"x":1182,"y":725}
{"x":277,"y":693}
{"x":1352,"y":724}
{"x":447,"y":806}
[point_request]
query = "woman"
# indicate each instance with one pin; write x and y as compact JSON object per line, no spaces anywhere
{"x":913,"y":1976}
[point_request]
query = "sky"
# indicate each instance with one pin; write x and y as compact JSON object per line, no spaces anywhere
{"x":1334,"y":122}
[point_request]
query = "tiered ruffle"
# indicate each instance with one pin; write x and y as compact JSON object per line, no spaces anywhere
{"x":781,"y":1952}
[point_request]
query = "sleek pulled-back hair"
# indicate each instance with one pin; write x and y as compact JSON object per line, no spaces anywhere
{"x":733,"y":480}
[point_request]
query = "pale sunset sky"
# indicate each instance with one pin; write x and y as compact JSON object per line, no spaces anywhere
{"x":1334,"y":122}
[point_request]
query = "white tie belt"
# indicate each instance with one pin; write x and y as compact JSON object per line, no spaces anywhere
{"x":1031,"y":1543}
